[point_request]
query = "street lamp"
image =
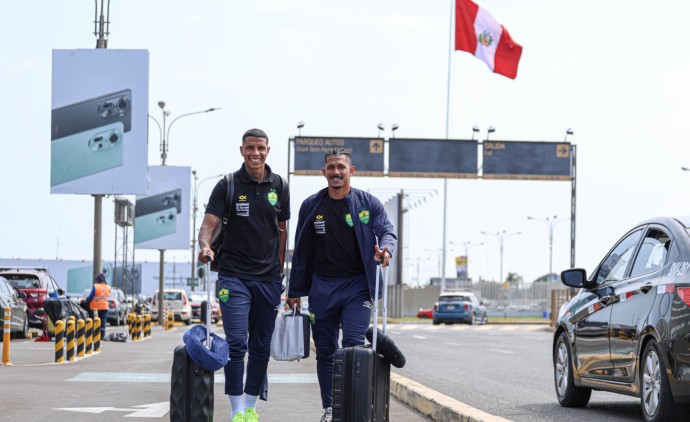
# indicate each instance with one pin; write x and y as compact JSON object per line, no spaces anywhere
{"x":489,"y":131}
{"x":300,"y":125}
{"x":195,"y":208}
{"x":165,"y":133}
{"x":501,"y":236}
{"x":475,"y":130}
{"x":467,"y":246}
{"x":394,"y":127}
{"x":568,"y":131}
{"x":550,"y":221}
{"x":381,"y":127}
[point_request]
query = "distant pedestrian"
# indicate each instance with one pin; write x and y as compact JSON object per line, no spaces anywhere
{"x":98,"y":301}
{"x":61,"y":293}
{"x":337,"y":243}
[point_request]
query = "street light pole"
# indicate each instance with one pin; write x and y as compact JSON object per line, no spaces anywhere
{"x":165,"y":136}
{"x":195,"y":208}
{"x":549,"y":221}
{"x":501,"y":236}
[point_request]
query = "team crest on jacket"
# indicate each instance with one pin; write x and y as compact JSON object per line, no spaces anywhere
{"x":272,"y":197}
{"x":348,"y":219}
{"x":364,"y":216}
{"x":486,"y":39}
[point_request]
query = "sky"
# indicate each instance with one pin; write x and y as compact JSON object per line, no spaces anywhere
{"x":615,"y":72}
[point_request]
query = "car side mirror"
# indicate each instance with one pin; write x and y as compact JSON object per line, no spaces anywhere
{"x":22,"y":295}
{"x":576,"y":277}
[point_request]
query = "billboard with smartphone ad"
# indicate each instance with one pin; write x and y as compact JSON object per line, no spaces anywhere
{"x":98,"y":127}
{"x":161,"y":218}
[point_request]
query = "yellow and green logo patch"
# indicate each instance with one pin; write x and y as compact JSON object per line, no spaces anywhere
{"x":364,"y":216}
{"x":224,"y":295}
{"x":272,"y":197}
{"x":348,"y":219}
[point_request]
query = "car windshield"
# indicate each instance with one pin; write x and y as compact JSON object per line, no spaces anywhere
{"x":197,"y":298}
{"x":172,"y":296}
{"x":22,"y":281}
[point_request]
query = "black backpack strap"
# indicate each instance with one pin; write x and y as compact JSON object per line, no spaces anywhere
{"x":230,"y":194}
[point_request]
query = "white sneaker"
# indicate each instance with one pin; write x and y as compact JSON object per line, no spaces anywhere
{"x":327,"y":415}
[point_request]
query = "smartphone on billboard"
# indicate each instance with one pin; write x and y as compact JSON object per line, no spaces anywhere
{"x":159,"y":201}
{"x":85,"y":153}
{"x":91,"y":113}
{"x":154,"y":225}
{"x":156,"y":215}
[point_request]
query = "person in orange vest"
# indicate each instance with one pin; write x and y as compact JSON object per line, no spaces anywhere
{"x":98,"y":301}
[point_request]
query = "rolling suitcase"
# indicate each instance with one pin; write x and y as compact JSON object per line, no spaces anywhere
{"x":361,"y":377}
{"x":191,"y":389}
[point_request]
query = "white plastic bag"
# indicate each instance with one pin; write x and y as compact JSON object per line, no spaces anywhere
{"x":287,"y":342}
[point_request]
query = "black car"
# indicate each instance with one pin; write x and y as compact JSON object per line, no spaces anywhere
{"x":13,"y":299}
{"x":627,"y":331}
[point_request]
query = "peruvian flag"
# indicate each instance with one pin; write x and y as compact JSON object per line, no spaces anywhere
{"x":477,"y":32}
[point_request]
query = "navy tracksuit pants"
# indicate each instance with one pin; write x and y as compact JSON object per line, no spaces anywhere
{"x":334,"y":303}
{"x":249,"y":313}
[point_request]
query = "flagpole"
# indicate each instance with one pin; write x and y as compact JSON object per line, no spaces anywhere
{"x":451,"y":46}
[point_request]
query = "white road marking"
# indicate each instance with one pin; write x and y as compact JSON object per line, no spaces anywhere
{"x":507,"y":352}
{"x":419,"y":337}
{"x":484,"y":328}
{"x":509,"y":328}
{"x":153,"y":410}
{"x":451,"y":343}
{"x":408,"y":327}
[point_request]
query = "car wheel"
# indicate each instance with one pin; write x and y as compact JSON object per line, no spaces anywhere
{"x":436,"y":322}
{"x":188,"y":321}
{"x":569,"y":395}
{"x":473,"y":320}
{"x":657,"y":402}
{"x":485,"y":320}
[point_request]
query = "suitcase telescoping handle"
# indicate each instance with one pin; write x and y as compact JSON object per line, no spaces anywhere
{"x":208,"y":304}
{"x":379,"y":270}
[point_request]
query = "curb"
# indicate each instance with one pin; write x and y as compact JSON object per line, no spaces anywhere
{"x":437,"y":406}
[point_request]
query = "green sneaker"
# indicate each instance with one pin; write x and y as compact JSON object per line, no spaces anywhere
{"x":250,"y":415}
{"x":239,"y":417}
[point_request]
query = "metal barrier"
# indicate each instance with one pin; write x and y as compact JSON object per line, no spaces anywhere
{"x":89,"y":336}
{"x":558,"y":298}
{"x":6,"y":337}
{"x":70,"y":339}
{"x":60,"y":341}
{"x":96,"y":334}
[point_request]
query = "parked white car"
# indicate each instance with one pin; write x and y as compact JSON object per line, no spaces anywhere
{"x":175,"y":301}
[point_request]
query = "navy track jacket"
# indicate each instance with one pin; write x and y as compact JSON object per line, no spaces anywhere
{"x":370,"y":223}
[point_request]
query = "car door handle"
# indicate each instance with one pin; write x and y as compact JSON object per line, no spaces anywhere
{"x":646,"y":288}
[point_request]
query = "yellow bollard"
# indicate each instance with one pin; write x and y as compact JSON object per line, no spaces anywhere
{"x":171,"y":321}
{"x":60,"y":341}
{"x":70,"y":340}
{"x":6,"y":337}
{"x":138,"y":327}
{"x":130,"y":323}
{"x":96,"y":334}
{"x":80,"y":338}
{"x":89,"y":335}
{"x":147,"y":325}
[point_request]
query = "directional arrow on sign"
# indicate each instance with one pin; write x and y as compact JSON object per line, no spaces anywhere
{"x":152,"y":410}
